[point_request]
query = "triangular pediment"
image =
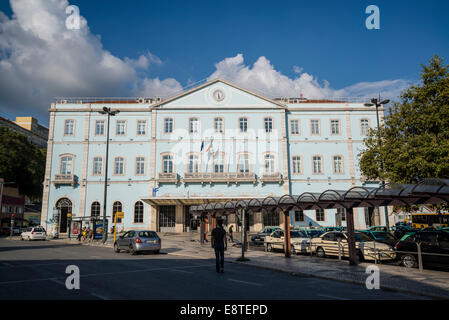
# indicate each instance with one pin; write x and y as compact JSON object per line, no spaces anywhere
{"x":219,"y":93}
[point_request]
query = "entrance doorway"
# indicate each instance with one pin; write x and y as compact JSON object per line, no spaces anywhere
{"x":65,"y":206}
{"x":167,"y":216}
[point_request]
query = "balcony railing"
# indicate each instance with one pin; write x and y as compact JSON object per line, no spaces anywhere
{"x":228,"y":177}
{"x":64,"y":179}
{"x":271,"y":177}
{"x":169,"y":177}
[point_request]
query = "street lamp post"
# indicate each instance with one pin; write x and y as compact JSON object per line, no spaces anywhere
{"x":109,"y":113}
{"x":376,"y":102}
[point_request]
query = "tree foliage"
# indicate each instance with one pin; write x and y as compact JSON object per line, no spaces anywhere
{"x":22,"y":162}
{"x":414,"y":142}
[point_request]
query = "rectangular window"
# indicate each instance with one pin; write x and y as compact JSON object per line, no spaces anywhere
{"x":99,"y":127}
{"x":268,"y":122}
{"x":315,"y":127}
{"x":243,"y":124}
{"x":269,"y":163}
{"x":141,"y":127}
{"x":299,"y":216}
{"x":66,"y":165}
{"x":193,"y":163}
{"x":194,"y":125}
{"x":364,"y":125}
{"x":119,"y":165}
{"x":218,"y":125}
{"x":120,"y":127}
{"x":167,"y":163}
{"x":320,"y":215}
{"x":296,"y":164}
{"x":68,"y":127}
{"x":317,"y":165}
{"x":338,"y":164}
{"x":98,"y":163}
{"x":243,"y":163}
{"x":294,"y":126}
{"x":168,"y":125}
{"x":335,"y":127}
{"x":140,"y":165}
{"x":218,"y":164}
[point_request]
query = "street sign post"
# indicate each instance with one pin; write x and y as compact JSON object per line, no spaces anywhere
{"x":118,"y":215}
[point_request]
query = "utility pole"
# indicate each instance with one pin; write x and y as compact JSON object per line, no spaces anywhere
{"x":376,"y":102}
{"x":109,"y":113}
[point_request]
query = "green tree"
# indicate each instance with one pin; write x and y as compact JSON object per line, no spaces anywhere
{"x":22,"y":162}
{"x":415,"y":138}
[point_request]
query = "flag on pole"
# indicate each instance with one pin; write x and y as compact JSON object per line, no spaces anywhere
{"x":208,"y":148}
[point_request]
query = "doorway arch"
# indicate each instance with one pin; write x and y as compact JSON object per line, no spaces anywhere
{"x":65,"y":206}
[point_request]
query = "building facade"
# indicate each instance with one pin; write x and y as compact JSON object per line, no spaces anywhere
{"x":215,"y":142}
{"x":36,"y":133}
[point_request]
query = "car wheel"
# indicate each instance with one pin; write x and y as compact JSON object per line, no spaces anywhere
{"x":29,"y":238}
{"x":157,"y":251}
{"x":409,"y":261}
{"x":320,"y":252}
{"x":132,"y":251}
{"x":269,"y":248}
{"x":116,"y":248}
{"x":292,"y":249}
{"x":21,"y":238}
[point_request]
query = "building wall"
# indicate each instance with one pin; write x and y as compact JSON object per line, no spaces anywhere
{"x":129,"y":188}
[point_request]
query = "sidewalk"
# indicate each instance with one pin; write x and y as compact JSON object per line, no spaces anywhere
{"x":428,"y":283}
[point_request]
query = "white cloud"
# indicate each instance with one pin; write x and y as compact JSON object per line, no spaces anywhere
{"x":40,"y":58}
{"x":264,"y":78}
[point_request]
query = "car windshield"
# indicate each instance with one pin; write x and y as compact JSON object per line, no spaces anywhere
{"x":360,"y":237}
{"x":384,"y":236}
{"x":297,"y":234}
{"x":147,"y":234}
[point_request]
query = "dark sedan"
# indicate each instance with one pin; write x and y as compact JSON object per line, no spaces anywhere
{"x":434,"y":246}
{"x":259,"y":238}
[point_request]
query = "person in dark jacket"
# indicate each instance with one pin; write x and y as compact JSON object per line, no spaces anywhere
{"x":220,"y":244}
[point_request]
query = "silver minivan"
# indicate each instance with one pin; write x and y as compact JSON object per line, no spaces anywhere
{"x":134,"y":241}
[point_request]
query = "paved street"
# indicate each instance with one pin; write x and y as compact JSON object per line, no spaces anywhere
{"x":36,"y":270}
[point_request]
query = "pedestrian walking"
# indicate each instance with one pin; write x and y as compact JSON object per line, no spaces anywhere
{"x":230,"y":233}
{"x":81,"y":233}
{"x":220,"y":244}
{"x":85,"y":232}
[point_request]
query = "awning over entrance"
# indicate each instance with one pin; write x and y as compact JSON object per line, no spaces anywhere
{"x":190,"y":201}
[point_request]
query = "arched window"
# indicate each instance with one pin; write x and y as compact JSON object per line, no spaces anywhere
{"x":116,"y":207}
{"x":95,"y":209}
{"x":138,"y":212}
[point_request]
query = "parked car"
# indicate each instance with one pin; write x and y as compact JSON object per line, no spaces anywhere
{"x":378,"y":228}
{"x":432,"y":242}
{"x":34,"y":233}
{"x":260,"y":236}
{"x":298,"y":240}
{"x":401,"y":230}
{"x":382,"y":236}
{"x":313,"y":233}
{"x":327,"y":245}
{"x":134,"y":241}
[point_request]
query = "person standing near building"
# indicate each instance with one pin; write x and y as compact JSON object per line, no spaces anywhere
{"x":230,"y":233}
{"x":220,"y":244}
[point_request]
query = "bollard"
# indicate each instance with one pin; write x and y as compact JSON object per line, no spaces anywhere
{"x":339,"y":249}
{"x":375,"y":253}
{"x":419,"y":257}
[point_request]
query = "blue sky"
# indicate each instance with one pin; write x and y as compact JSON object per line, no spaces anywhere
{"x":327,"y":39}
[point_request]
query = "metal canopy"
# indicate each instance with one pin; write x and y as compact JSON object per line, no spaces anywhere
{"x":427,"y":191}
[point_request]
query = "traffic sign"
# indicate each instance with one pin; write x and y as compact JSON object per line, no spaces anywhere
{"x":119,"y":215}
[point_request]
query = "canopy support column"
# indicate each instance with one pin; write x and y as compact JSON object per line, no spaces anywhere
{"x":202,"y":229}
{"x":353,"y":258}
{"x":287,"y":242}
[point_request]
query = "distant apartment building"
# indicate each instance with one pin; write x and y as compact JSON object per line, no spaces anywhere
{"x":214,"y":142}
{"x":11,"y":203}
{"x":36,"y":133}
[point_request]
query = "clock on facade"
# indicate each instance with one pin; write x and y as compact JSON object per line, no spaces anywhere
{"x":218,"y":95}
